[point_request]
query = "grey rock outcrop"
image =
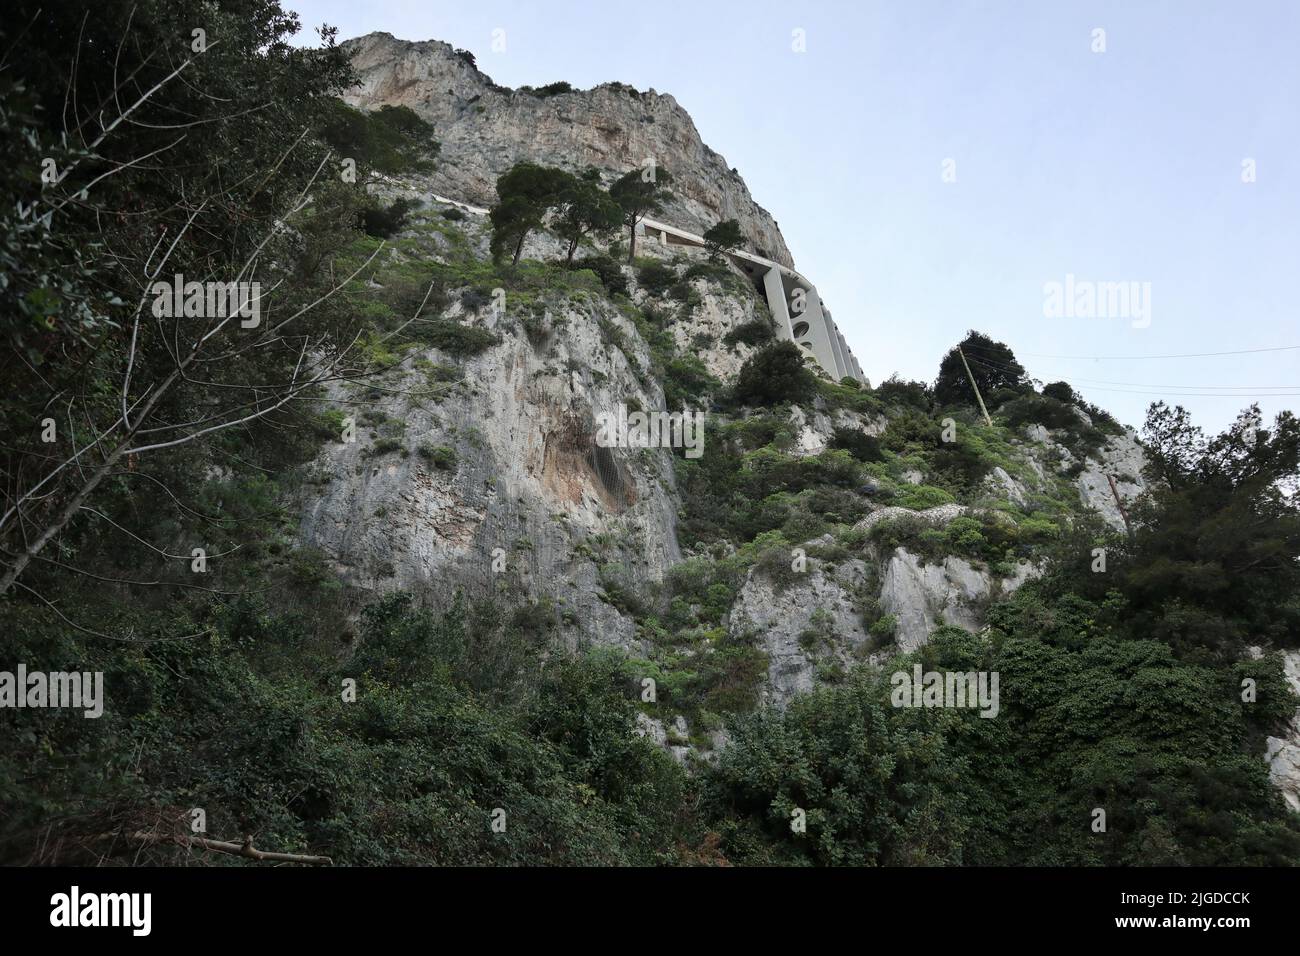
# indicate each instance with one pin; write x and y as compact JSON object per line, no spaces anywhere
{"x":1007,"y":487}
{"x":484,"y":129}
{"x":815,"y":428}
{"x":1122,"y":457}
{"x":529,"y":508}
{"x":1283,"y":753}
{"x":813,"y":621}
{"x":923,"y":596}
{"x":938,"y":516}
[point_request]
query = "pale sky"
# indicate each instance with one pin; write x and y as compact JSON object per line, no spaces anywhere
{"x":1117,"y":166}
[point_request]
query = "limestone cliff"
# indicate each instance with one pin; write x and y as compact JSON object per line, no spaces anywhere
{"x":484,"y":129}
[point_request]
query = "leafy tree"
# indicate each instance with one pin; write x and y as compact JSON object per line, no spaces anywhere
{"x":723,"y":237}
{"x":1061,"y":391}
{"x":640,"y":192}
{"x":527,"y":192}
{"x":1216,"y":545}
{"x":389,"y":140}
{"x":131,"y":380}
{"x":774,"y":375}
{"x":872,"y":785}
{"x":896,"y":391}
{"x":585,"y":210}
{"x":992,"y":365}
{"x":687,"y":382}
{"x":609,"y":271}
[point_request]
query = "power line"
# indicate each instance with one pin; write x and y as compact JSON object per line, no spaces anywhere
{"x":1142,"y":388}
{"x":991,"y":363}
{"x":1139,"y":358}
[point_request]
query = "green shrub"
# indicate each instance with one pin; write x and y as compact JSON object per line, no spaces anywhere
{"x":607,"y":270}
{"x":441,"y":457}
{"x":459,"y":340}
{"x":655,"y":278}
{"x":774,"y":375}
{"x":857,"y":443}
{"x":382,"y":221}
{"x":754,"y":333}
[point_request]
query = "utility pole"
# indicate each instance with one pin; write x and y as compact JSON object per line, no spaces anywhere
{"x":978,"y":397}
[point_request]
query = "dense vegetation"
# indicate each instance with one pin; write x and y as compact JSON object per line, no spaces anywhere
{"x":319,"y":720}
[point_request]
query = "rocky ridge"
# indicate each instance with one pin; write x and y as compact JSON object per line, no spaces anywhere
{"x":483,"y":129}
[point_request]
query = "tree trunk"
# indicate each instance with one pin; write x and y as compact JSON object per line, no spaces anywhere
{"x":573,"y":247}
{"x":519,"y":248}
{"x":74,"y":503}
{"x":631,"y":246}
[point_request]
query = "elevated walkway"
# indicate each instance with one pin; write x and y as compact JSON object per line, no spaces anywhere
{"x":798,"y":311}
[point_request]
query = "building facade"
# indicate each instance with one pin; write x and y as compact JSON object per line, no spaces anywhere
{"x":800,"y":314}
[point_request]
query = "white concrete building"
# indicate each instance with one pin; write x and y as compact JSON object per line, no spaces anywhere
{"x":798,"y":311}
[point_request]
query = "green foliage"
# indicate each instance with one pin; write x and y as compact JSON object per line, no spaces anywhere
{"x":1118,"y":723}
{"x":687,"y":383}
{"x":390,"y":140}
{"x":383,"y":221}
{"x":440,"y":456}
{"x":449,"y":722}
{"x":655,"y":277}
{"x":895,"y":391}
{"x":1074,"y":432}
{"x":1216,"y":548}
{"x":1061,"y":391}
{"x":723,"y":237}
{"x":876,"y":785}
{"x":526,"y":192}
{"x":992,"y":365}
{"x":754,"y":334}
{"x":774,"y":375}
{"x":640,"y":193}
{"x":550,"y":89}
{"x":607,"y":270}
{"x":48,"y":294}
{"x":585,"y":209}
{"x":857,"y":443}
{"x":459,"y":340}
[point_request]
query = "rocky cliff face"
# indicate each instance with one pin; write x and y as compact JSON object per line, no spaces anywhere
{"x":485,"y":480}
{"x":484,"y":129}
{"x":480,"y":476}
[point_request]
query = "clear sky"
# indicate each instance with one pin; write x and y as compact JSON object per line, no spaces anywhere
{"x":1117,"y":166}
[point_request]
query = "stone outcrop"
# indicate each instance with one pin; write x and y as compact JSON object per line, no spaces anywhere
{"x":923,"y":596}
{"x":938,"y":516}
{"x":484,"y":129}
{"x":1283,"y":753}
{"x":530,"y":509}
{"x":814,"y":621}
{"x":815,"y":428}
{"x":1121,"y":457}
